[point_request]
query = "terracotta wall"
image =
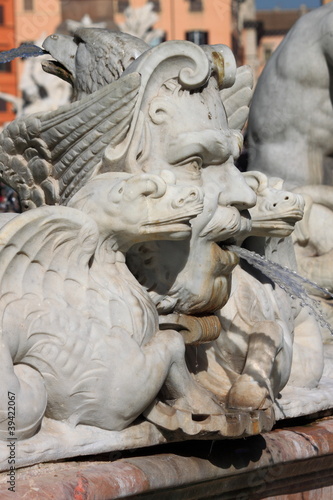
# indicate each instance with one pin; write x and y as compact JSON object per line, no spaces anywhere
{"x":176,"y":19}
{"x":35,"y":24}
{"x":41,"y":20}
{"x":96,"y":9}
{"x":8,"y":76}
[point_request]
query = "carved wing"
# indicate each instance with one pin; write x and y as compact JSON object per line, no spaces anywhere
{"x":47,"y":157}
{"x":43,"y":248}
{"x":237,"y":98}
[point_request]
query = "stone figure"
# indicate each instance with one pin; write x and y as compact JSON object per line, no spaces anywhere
{"x":246,"y":371}
{"x":290,"y":125}
{"x":290,"y":136}
{"x":140,"y":22}
{"x":75,"y":318}
{"x":41,"y":92}
{"x":313,"y":240}
{"x":145,"y":156}
{"x":243,"y":369}
{"x":313,"y":244}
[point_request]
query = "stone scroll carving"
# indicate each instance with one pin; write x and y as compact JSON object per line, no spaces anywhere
{"x":122,"y":302}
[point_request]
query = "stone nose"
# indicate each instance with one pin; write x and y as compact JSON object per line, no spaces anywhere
{"x":286,"y":198}
{"x":236,"y":193}
{"x":187,"y":195}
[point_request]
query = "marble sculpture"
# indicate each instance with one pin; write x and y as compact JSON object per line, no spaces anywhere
{"x":121,"y":303}
{"x":290,"y":132}
{"x":291,"y":119}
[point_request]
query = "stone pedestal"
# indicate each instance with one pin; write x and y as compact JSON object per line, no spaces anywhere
{"x":294,"y":463}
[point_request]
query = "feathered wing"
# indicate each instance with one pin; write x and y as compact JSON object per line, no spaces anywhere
{"x":42,"y":249}
{"x":47,"y":157}
{"x":236,"y":99}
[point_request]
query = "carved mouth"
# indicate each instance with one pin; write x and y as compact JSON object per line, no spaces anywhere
{"x":174,"y":227}
{"x":57,"y":69}
{"x":226,"y":223}
{"x":290,"y":217}
{"x":276,"y":226}
{"x":182,"y":218}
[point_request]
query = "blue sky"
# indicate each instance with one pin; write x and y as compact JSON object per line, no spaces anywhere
{"x":286,"y":4}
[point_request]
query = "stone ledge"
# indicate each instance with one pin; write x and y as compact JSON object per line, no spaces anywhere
{"x":289,"y":460}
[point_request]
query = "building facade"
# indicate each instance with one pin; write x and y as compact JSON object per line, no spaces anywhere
{"x":272,"y":27}
{"x":35,"y":18}
{"x":97,"y":10}
{"x":8,"y":71}
{"x":200,"y":21}
{"x":22,"y":21}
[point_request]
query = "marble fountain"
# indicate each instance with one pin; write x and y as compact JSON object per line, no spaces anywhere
{"x":142,"y":352}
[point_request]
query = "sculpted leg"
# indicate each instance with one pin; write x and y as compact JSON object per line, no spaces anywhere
{"x":22,"y":398}
{"x":181,"y":386}
{"x":147,"y":369}
{"x":165,"y":365}
{"x":253,"y":389}
{"x":308,"y":352}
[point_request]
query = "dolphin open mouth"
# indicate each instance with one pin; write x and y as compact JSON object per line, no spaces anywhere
{"x":271,"y":224}
{"x":56,"y":68}
{"x":62,"y":49}
{"x":182,"y":217}
{"x":290,"y":217}
{"x":173,"y":223}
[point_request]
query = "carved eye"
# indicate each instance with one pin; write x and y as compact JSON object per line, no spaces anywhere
{"x":194,"y":165}
{"x":115,"y":195}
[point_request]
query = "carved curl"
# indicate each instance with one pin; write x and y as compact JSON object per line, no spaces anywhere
{"x":188,"y":64}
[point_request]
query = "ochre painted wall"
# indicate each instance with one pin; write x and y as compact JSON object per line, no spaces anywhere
{"x":8,"y":73}
{"x":41,"y":20}
{"x":176,"y":18}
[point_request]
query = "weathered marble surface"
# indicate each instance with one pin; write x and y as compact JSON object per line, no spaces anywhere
{"x":290,"y":125}
{"x":290,"y":133}
{"x":313,"y":239}
{"x":138,"y":174}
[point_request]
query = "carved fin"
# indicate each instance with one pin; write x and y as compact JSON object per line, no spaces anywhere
{"x":237,"y":98}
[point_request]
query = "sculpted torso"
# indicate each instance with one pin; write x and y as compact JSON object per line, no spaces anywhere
{"x":291,"y":118}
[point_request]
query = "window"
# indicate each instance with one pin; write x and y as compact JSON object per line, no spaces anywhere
{"x":28,"y":4}
{"x":2,"y":15}
{"x":3,"y":105}
{"x":122,"y":5}
{"x":5,"y":67}
{"x":195,"y":5}
{"x":268,"y":53}
{"x":157,"y":6}
{"x":198,"y":37}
